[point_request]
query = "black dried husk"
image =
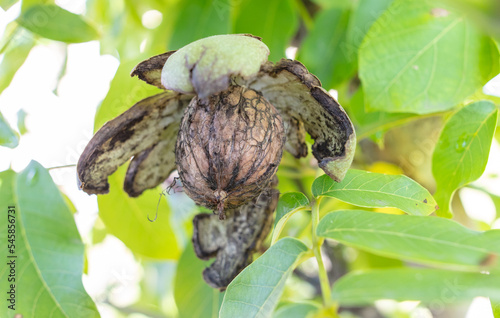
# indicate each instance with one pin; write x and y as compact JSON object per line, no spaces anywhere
{"x":233,"y":241}
{"x":228,"y":148}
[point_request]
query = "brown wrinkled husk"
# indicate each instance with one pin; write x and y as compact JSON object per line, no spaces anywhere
{"x":146,"y":132}
{"x":228,"y":148}
{"x":234,"y":240}
{"x":306,"y":106}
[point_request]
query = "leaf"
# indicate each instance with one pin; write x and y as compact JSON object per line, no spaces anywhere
{"x":370,"y":123}
{"x":99,"y":231}
{"x":8,"y":137}
{"x":377,"y":190}
{"x":429,"y":240}
{"x":49,"y":262}
{"x":255,"y":292}
{"x":53,"y":22}
{"x":495,"y":307}
{"x":127,"y":219}
{"x":296,"y":310}
{"x":288,"y":204}
{"x":366,"y":260}
{"x":121,"y":34}
{"x":198,"y":19}
{"x":26,"y":4}
{"x":362,"y":18}
{"x":6,"y":4}
{"x":496,"y":202}
{"x":420,"y":57}
{"x":194,"y":298}
{"x":462,"y":151}
{"x":276,"y":24}
{"x":322,"y":50}
{"x":71,"y":207}
{"x":431,"y":286}
{"x":16,"y":52}
{"x":21,"y":121}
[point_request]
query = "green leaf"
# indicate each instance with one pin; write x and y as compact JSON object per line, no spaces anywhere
{"x":26,"y":4}
{"x":288,"y":204}
{"x":255,"y":292}
{"x":6,"y":4}
{"x":99,"y":231}
{"x":127,"y":219}
{"x":296,"y":310}
{"x":431,"y":286}
{"x":121,"y":34}
{"x":377,"y":190}
{"x":366,"y":260}
{"x":194,"y":298}
{"x":362,"y":18}
{"x":198,"y":19}
{"x":429,"y":240}
{"x":8,"y":137}
{"x":16,"y":52}
{"x":21,"y":121}
{"x":275,"y":21}
{"x":48,"y":249}
{"x":370,"y":123}
{"x":421,"y":57}
{"x":53,"y":22}
{"x":322,"y":50}
{"x":71,"y":207}
{"x":462,"y":151}
{"x":495,"y":307}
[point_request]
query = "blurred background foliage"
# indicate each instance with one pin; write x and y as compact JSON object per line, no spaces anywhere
{"x":398,"y":109}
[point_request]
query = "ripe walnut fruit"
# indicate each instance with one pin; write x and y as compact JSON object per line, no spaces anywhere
{"x":228,"y":148}
{"x":223,"y":122}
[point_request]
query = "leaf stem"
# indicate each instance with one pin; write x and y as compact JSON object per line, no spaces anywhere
{"x":317,"y":242}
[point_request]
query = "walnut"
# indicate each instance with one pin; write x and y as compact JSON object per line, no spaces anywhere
{"x":228,"y":115}
{"x":228,"y":148}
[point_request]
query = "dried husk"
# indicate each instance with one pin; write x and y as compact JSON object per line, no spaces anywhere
{"x":307,"y":107}
{"x":233,"y":241}
{"x":228,"y":148}
{"x":146,"y":132}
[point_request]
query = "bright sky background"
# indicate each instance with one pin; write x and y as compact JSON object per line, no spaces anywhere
{"x":60,"y":124}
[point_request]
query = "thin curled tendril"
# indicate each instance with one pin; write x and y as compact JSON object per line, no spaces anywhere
{"x":157,"y":207}
{"x":167,"y":190}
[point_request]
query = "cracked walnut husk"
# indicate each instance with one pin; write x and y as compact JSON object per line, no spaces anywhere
{"x":223,"y":121}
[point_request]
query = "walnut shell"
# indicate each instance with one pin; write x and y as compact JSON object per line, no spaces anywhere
{"x":228,"y":148}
